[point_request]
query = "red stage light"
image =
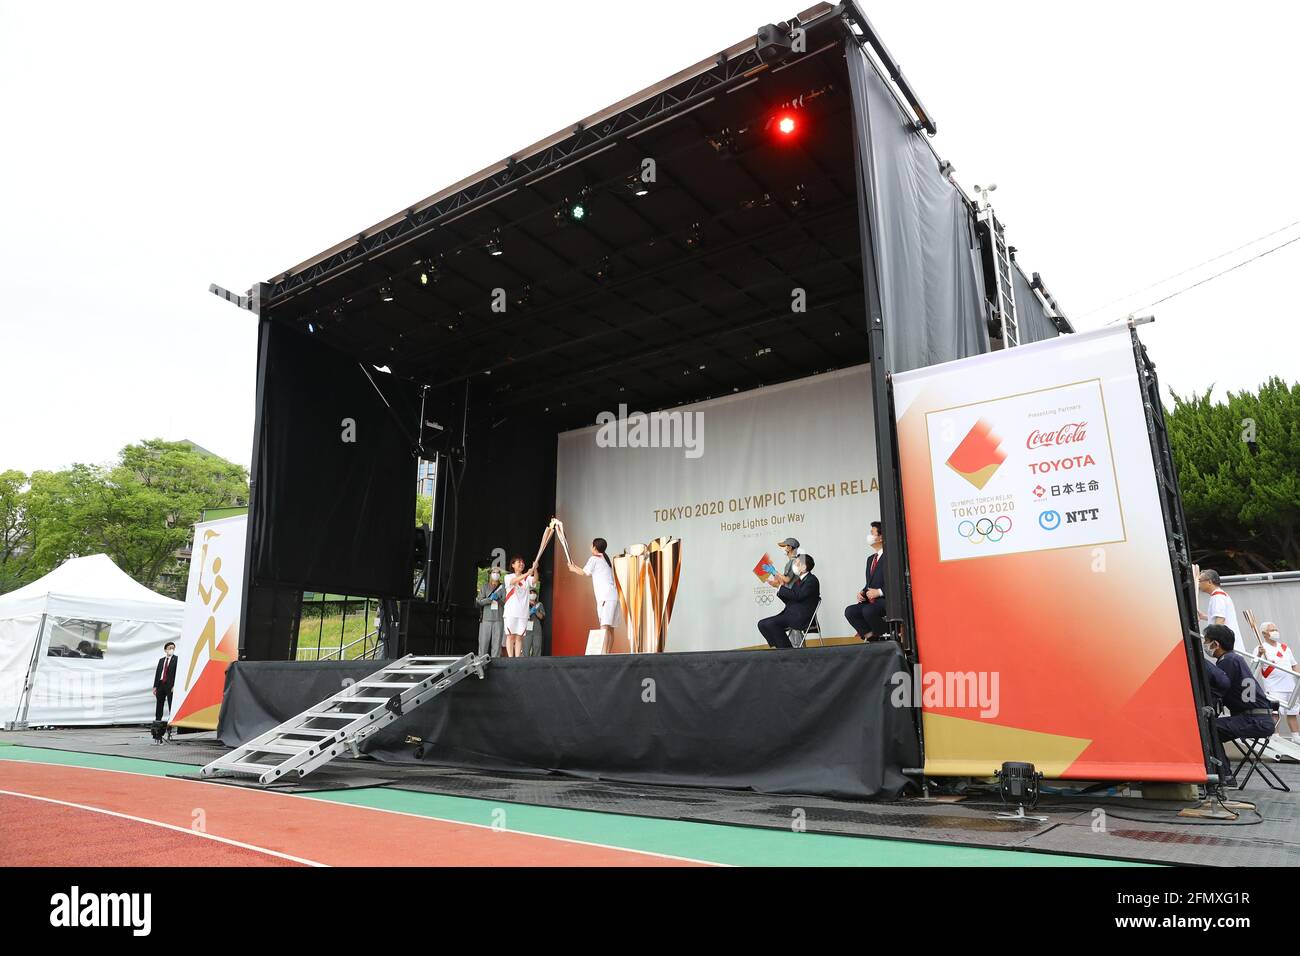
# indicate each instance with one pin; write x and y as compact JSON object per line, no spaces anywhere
{"x":786,"y":125}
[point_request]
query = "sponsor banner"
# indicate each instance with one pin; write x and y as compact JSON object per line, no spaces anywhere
{"x":1039,"y":565}
{"x":210,"y":631}
{"x":730,"y":477}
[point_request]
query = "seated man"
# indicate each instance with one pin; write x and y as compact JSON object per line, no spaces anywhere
{"x":867,"y":616}
{"x":1237,"y":689}
{"x":800,"y":598}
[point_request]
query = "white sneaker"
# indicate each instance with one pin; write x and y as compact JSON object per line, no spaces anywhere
{"x":1294,"y":738}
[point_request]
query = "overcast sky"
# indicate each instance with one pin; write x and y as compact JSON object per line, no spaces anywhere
{"x":153,"y":148}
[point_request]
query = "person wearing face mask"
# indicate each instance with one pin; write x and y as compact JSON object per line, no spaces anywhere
{"x":491,"y":624}
{"x":1278,"y":684}
{"x":1235,"y":689}
{"x":535,"y":636}
{"x":800,"y":598}
{"x":164,"y":679}
{"x":867,"y":616}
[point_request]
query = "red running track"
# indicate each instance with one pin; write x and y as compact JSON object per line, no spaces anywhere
{"x":193,"y":819}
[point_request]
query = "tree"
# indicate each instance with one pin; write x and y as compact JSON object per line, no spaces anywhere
{"x":1239,"y":472}
{"x":15,"y":535}
{"x":139,"y":511}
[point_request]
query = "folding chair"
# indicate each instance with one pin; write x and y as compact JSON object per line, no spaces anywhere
{"x":1252,"y":749}
{"x":798,"y":637}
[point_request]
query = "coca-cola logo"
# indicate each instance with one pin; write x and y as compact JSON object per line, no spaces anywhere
{"x":1065,"y":435}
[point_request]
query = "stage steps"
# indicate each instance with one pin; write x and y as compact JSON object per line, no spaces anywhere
{"x":338,"y":724}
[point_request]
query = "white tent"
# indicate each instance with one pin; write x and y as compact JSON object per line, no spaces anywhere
{"x":79,"y":646}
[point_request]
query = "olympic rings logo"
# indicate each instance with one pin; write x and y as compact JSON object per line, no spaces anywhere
{"x":985,"y":529}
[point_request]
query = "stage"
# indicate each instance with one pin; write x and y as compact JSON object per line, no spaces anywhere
{"x":815,"y":721}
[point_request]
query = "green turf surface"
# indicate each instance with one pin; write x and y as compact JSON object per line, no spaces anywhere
{"x":715,"y":843}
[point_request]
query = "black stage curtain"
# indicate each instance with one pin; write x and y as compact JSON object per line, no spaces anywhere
{"x":815,"y":721}
{"x":1032,"y":318}
{"x":508,"y":456}
{"x":329,"y":514}
{"x":927,"y":254}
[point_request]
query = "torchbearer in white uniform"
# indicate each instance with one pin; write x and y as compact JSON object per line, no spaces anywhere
{"x":1277,"y":683}
{"x":516,"y":611}
{"x":601,"y":572}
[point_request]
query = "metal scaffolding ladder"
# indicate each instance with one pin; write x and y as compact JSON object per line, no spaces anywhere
{"x":338,"y":724}
{"x":1005,"y":300}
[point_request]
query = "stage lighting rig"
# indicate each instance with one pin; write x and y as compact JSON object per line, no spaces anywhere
{"x":775,"y":42}
{"x":800,"y":201}
{"x":493,"y":244}
{"x":1019,"y":784}
{"x":428,"y":271}
{"x":637,"y":186}
{"x":784,"y":124}
{"x":695,"y":239}
{"x":386,"y":292}
{"x":575,"y":211}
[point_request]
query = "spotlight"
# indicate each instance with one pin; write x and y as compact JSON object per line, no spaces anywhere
{"x":800,"y":200}
{"x":493,"y":245}
{"x":525,"y":297}
{"x":785,"y":126}
{"x":724,"y":143}
{"x":386,"y":293}
{"x":637,"y":186}
{"x":576,"y":211}
{"x":1019,"y":783}
{"x":602,"y":270}
{"x":428,"y":272}
{"x":696,"y":238}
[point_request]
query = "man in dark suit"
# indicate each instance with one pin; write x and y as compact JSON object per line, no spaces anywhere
{"x":867,"y":616}
{"x":1237,"y":690}
{"x":800,"y":598}
{"x":164,"y":679}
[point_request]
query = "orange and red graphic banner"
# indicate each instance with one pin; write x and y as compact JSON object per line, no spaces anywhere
{"x":210,"y":631}
{"x":1039,"y":562}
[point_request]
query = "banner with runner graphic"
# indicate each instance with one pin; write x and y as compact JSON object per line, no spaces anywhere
{"x":1047,"y":621}
{"x":210,"y":631}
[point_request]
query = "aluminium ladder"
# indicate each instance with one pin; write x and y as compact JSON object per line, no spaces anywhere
{"x":1006,"y":290}
{"x":338,"y":724}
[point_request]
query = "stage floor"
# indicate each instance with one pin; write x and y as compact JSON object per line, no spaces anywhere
{"x":1134,"y":830}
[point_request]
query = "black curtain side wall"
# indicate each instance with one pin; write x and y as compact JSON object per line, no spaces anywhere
{"x":330,"y":514}
{"x":503,"y":499}
{"x":1031,"y":317}
{"x":931,"y":296}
